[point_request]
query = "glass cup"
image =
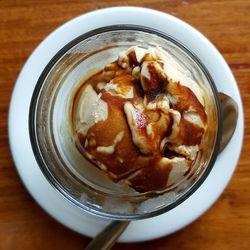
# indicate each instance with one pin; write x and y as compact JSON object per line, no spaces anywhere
{"x":53,"y":143}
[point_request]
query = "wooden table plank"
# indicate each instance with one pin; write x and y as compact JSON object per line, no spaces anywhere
{"x":23,"y":25}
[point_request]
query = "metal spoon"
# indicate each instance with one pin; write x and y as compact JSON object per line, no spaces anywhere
{"x":229,"y":110}
{"x":107,"y":238}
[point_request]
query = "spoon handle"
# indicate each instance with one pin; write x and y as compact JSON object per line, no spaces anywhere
{"x":107,"y":238}
{"x":229,"y":119}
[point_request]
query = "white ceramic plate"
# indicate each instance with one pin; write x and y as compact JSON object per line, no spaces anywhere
{"x":48,"y":198}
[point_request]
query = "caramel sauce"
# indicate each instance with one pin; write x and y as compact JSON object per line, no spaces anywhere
{"x":170,"y":153}
{"x":151,"y":178}
{"x":169,"y":130}
{"x":138,"y":90}
{"x":190,"y":134}
{"x":156,"y":85}
{"x":187,"y":99}
{"x":132,"y":59}
{"x":115,"y":102}
{"x":127,"y":158}
{"x":143,"y":172}
{"x":126,"y":152}
{"x":124,"y":81}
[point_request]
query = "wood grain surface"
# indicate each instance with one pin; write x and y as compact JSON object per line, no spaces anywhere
{"x":23,"y":25}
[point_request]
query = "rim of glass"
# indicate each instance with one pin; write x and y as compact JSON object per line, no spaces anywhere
{"x":32,"y":125}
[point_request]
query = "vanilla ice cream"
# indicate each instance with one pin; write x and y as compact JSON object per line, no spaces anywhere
{"x":141,"y":119}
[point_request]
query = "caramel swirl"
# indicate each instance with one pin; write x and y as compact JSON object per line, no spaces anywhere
{"x":140,"y":119}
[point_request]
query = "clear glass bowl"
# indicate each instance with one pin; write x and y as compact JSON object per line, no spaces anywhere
{"x":53,"y":144}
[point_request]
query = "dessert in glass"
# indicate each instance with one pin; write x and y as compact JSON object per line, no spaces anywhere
{"x":125,"y":122}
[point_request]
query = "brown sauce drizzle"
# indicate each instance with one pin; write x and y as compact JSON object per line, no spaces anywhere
{"x":151,"y":178}
{"x":190,"y":134}
{"x":143,"y":172}
{"x":156,"y":85}
{"x":138,"y":90}
{"x":187,"y":99}
{"x":132,"y":59}
{"x":168,"y":153}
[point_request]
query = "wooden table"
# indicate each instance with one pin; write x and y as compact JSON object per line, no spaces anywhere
{"x":23,"y":25}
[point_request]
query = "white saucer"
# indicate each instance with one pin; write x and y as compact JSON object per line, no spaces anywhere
{"x":61,"y":209}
